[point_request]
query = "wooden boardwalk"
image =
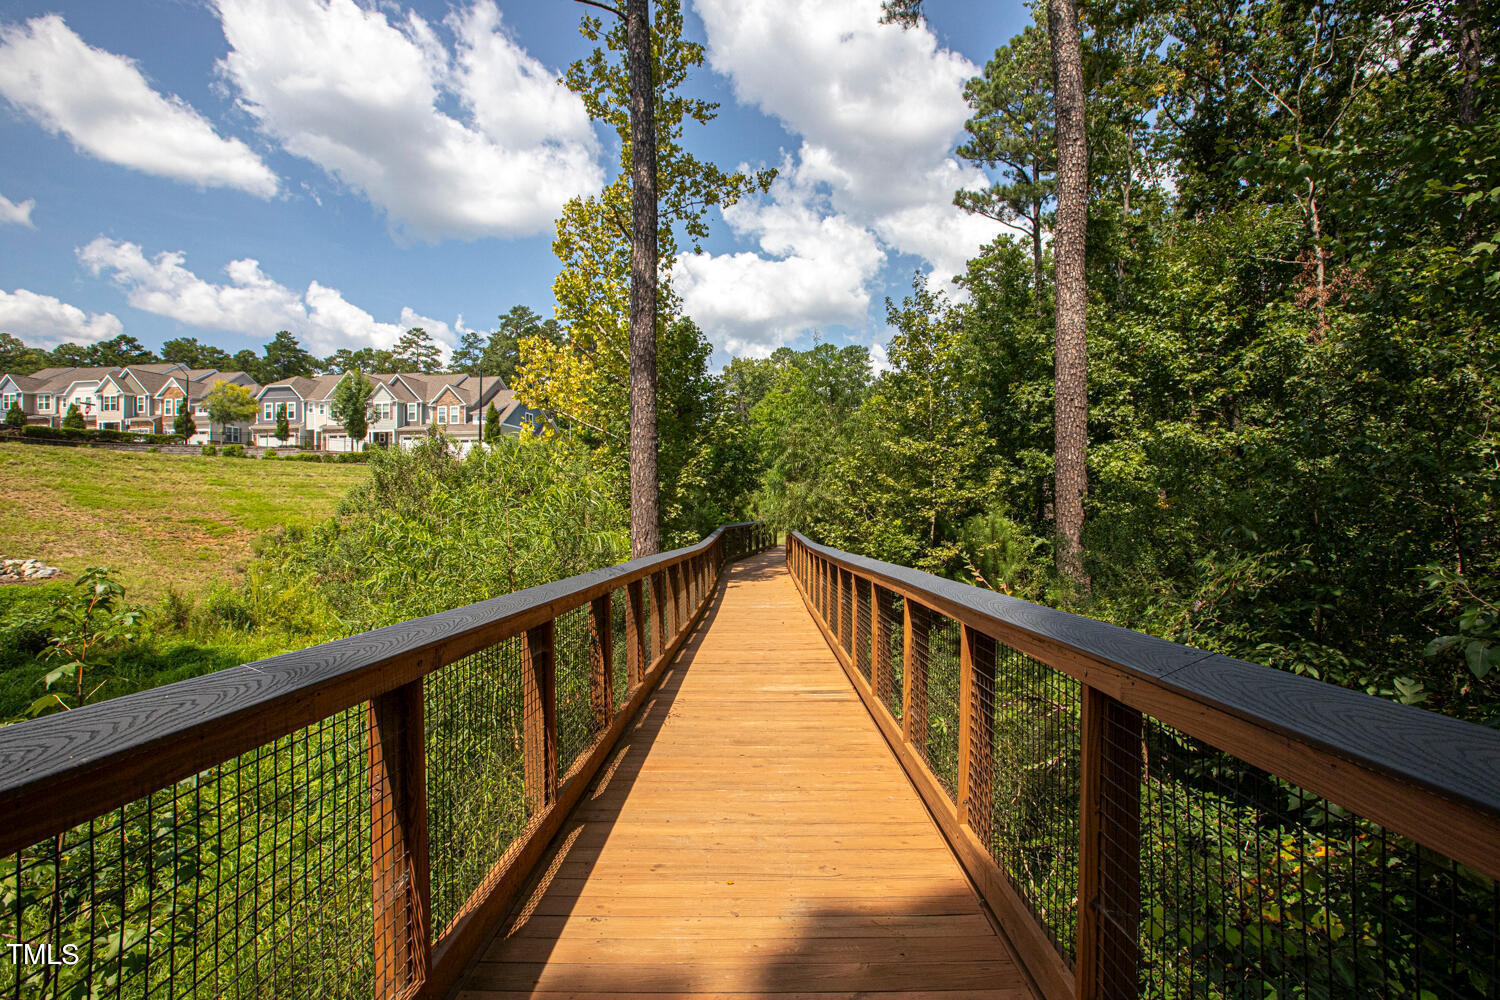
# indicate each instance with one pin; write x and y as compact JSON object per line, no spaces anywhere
{"x":752,"y":836}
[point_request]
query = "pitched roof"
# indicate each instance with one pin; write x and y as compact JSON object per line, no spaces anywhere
{"x":46,"y":374}
{"x":26,"y":383}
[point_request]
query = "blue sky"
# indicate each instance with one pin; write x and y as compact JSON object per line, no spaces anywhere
{"x":225,"y":169}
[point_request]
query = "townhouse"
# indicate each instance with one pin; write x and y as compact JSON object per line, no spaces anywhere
{"x":404,"y":407}
{"x":143,"y":397}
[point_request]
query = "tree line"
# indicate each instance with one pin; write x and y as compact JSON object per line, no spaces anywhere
{"x":491,"y":354}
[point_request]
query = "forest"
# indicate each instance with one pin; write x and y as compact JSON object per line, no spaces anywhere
{"x":1293,"y":366}
{"x":1293,"y":322}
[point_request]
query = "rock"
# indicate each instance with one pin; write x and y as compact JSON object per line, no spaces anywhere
{"x":24,"y":570}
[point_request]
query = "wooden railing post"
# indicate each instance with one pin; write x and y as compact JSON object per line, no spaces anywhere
{"x":636,"y":661}
{"x":914,"y":675}
{"x":882,"y":610}
{"x":397,"y":757}
{"x":539,"y":696}
{"x":659,"y":611}
{"x":1109,"y":831}
{"x":602,"y":659}
{"x":976,"y":731}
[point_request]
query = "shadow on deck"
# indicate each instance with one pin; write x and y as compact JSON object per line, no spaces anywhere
{"x":751,"y":835}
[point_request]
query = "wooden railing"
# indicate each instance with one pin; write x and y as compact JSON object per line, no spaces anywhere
{"x":1148,"y":819}
{"x":347,"y":820}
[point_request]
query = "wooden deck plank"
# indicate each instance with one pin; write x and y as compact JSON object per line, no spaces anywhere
{"x":752,"y":837}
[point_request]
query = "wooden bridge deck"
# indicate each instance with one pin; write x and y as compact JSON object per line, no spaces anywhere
{"x":752,"y":836}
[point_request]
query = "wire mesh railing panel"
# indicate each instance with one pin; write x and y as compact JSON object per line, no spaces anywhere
{"x":476,"y":773}
{"x":941,"y":654}
{"x":577,"y":726}
{"x":863,"y":625}
{"x":893,"y":617}
{"x":619,"y":669}
{"x":1251,"y":886}
{"x":846,"y":611}
{"x":250,"y":879}
{"x":1034,"y":786}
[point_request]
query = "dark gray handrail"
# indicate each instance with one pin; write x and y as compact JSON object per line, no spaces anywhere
{"x":100,"y":756}
{"x":1450,"y":757}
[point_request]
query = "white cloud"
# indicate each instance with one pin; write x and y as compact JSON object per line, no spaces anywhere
{"x":45,"y":321}
{"x":879,"y":110}
{"x":17,"y":215}
{"x":251,"y":303}
{"x":367,"y":96}
{"x":102,"y":102}
{"x":817,"y":272}
{"x":880,"y":361}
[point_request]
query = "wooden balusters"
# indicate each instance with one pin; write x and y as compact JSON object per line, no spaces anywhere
{"x":1109,"y":831}
{"x":976,"y":731}
{"x":914,"y":675}
{"x":539,"y":696}
{"x":397,"y":758}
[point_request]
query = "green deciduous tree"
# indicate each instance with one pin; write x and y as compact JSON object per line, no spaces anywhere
{"x":18,"y":359}
{"x":15,"y":416}
{"x":283,"y":426}
{"x":227,"y":403}
{"x":350,"y":404}
{"x":89,"y":621}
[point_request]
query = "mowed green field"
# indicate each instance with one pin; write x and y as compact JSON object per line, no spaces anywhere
{"x":154,"y":520}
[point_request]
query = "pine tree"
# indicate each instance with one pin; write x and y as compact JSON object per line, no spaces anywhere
{"x":415,"y":351}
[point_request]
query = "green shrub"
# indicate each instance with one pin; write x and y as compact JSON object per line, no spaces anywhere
{"x":270,"y":453}
{"x":153,"y":449}
{"x":226,"y":607}
{"x":209,"y":450}
{"x":233,"y":451}
{"x":175,"y":610}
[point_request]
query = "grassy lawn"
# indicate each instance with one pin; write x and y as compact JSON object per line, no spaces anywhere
{"x":154,"y":520}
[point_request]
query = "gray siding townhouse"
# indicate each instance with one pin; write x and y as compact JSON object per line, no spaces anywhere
{"x":143,"y":398}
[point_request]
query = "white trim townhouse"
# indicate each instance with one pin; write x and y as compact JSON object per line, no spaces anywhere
{"x":403,"y":408}
{"x":143,"y":398}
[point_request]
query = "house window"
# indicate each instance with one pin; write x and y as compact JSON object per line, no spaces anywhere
{"x":44,"y":403}
{"x":142,"y":407}
{"x":270,"y":412}
{"x":411,"y":413}
{"x":8,"y":400}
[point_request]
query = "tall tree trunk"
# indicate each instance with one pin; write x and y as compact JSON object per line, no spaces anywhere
{"x":645,"y":502}
{"x":1070,"y":405}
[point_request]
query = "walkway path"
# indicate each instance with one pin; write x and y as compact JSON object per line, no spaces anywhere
{"x":753,"y":836}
